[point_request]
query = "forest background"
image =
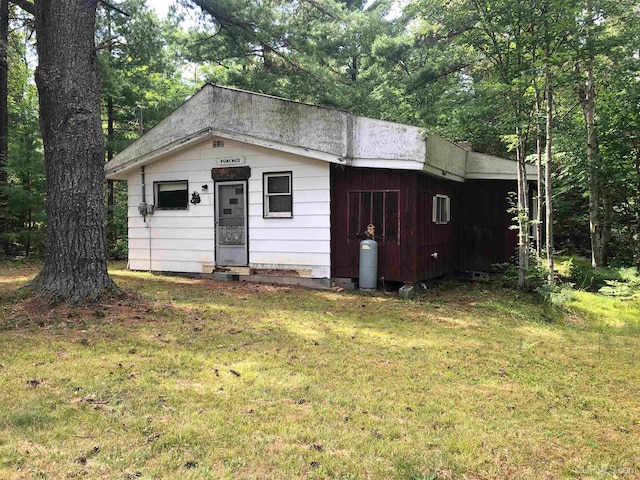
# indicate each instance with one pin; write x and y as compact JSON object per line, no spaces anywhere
{"x":551,"y":82}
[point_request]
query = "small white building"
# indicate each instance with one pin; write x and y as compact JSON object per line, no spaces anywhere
{"x":245,"y":184}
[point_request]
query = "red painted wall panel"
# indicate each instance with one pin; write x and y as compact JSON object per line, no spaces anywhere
{"x":407,"y":257}
{"x":476,"y":237}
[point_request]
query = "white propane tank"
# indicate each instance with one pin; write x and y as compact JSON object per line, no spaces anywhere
{"x":369,"y":261}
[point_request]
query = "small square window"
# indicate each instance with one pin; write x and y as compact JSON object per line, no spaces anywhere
{"x":171,"y":195}
{"x":441,"y":209}
{"x":278,"y":197}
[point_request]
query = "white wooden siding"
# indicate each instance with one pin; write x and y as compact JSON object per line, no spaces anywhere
{"x":184,"y":240}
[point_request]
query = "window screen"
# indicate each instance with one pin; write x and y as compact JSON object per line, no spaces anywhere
{"x":172,"y":195}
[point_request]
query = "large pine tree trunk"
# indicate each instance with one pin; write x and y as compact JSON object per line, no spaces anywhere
{"x":68,"y":84}
{"x":110,"y":185}
{"x":110,"y":138}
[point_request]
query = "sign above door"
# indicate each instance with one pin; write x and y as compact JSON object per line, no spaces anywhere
{"x":226,"y":174}
{"x":231,"y":161}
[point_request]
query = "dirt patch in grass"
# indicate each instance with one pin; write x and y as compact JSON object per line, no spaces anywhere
{"x":34,"y":310}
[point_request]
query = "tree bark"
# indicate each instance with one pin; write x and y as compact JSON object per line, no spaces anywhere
{"x":68,"y":83}
{"x":547,"y":174}
{"x":110,"y":138}
{"x":523,"y":215}
{"x":539,"y":175}
{"x":587,"y":95}
{"x":596,"y":220}
{"x":607,"y":220}
{"x":636,"y":230}
{"x":596,"y":229}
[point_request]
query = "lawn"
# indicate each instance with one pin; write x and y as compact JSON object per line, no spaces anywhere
{"x":202,"y":379}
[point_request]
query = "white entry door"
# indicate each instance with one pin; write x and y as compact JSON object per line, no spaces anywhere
{"x":231,"y":224}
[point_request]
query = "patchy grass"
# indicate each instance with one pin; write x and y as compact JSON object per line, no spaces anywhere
{"x":200,"y":379}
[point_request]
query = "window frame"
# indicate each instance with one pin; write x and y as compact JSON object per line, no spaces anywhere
{"x":156,"y":191}
{"x":381,"y":230}
{"x":437,"y":198}
{"x":266,"y":195}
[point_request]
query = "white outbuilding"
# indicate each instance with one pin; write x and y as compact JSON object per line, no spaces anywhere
{"x":258,"y":187}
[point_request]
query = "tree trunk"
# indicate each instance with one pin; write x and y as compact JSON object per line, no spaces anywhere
{"x":26,"y":222}
{"x":607,"y":219}
{"x":636,"y":236}
{"x":523,"y":216}
{"x":547,"y":174}
{"x":538,"y":226}
{"x":596,"y":229}
{"x":110,"y":138}
{"x":587,"y":94}
{"x":354,"y":69}
{"x":69,"y":89}
{"x":4,"y":107}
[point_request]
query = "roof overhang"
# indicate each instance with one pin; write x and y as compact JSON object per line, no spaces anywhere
{"x":481,"y":166}
{"x":321,"y":133}
{"x":121,"y":171}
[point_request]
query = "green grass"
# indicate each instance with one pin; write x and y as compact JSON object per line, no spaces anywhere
{"x":467,"y":381}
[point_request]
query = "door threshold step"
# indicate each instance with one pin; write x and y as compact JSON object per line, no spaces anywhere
{"x":232,"y":270}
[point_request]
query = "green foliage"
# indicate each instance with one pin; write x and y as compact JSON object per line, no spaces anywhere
{"x":308,"y":51}
{"x":627,"y":286}
{"x":536,"y":275}
{"x":117,"y":223}
{"x":585,"y":277}
{"x":140,"y":70}
{"x":620,"y":282}
{"x":25,"y":190}
{"x":465,"y":70}
{"x":556,"y":295}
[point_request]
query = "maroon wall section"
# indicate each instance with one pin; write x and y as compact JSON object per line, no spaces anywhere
{"x":484,"y":237}
{"x":400,"y":204}
{"x":404,"y":253}
{"x":437,"y":238}
{"x":350,"y":190}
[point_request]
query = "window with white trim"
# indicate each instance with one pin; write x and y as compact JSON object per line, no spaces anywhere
{"x":171,"y":195}
{"x":278,"y":197}
{"x":441,"y":209}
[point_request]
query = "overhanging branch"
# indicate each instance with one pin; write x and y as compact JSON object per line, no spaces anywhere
{"x":113,"y":7}
{"x":26,"y":6}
